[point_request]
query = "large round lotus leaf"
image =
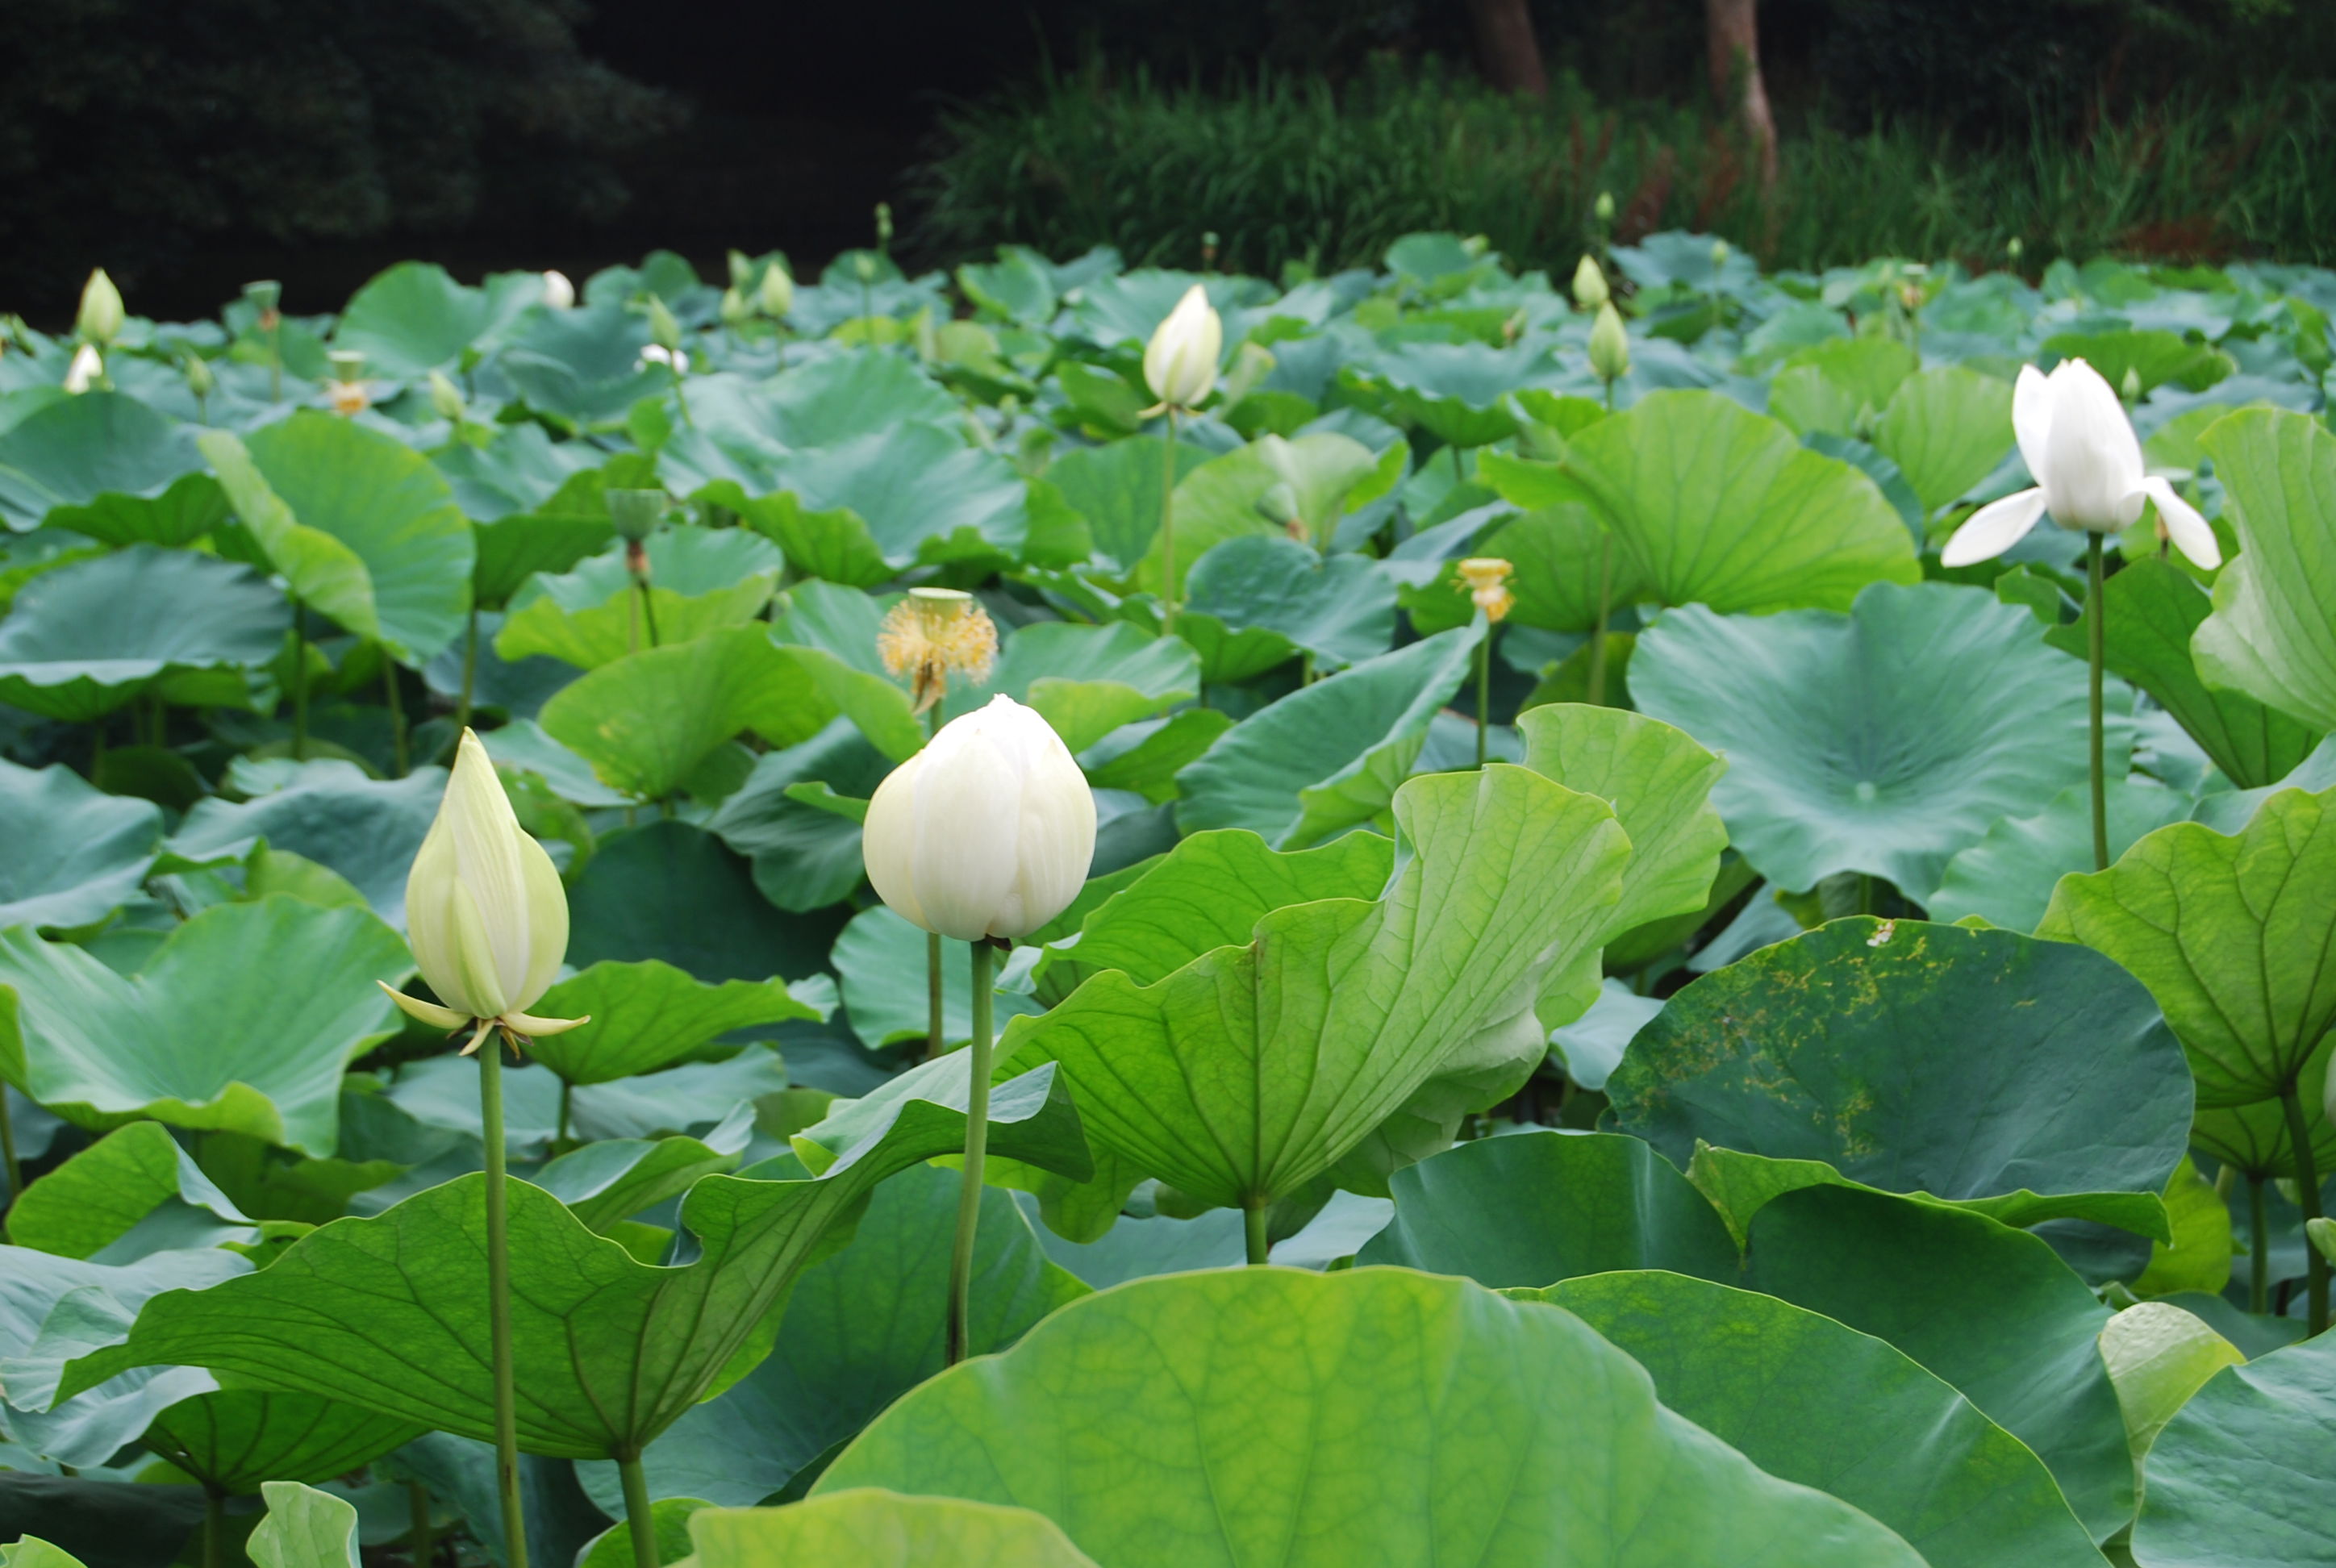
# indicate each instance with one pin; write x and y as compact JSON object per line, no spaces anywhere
{"x":86,"y":639}
{"x":1221,"y":498}
{"x":1980,"y":1066}
{"x":2235,"y":937}
{"x":367,"y":830}
{"x":2241,"y":1478}
{"x":2007,"y":877}
{"x":1809,"y":1400}
{"x":2255,"y":1138}
{"x":74,"y":856}
{"x":1087,"y":680}
{"x":1722,"y":507}
{"x":1271,"y":1419}
{"x":2270,"y":634}
{"x":700,"y":580}
{"x":76,"y":450}
{"x":649,"y":1015}
{"x":1946,"y":429}
{"x":1881,"y":741}
{"x":1116,"y":487}
{"x":829,"y":401}
{"x":669,"y":891}
{"x":415,"y":317}
{"x":242,"y":1020}
{"x":234,"y":1439}
{"x":1340,"y":607}
{"x":582,"y":365}
{"x":870,"y":1528}
{"x":922,"y":494}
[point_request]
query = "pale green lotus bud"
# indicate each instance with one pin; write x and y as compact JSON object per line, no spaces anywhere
{"x":735,"y":311}
{"x":1589,"y":290}
{"x":558,"y":293}
{"x":484,"y":909}
{"x":1609,"y":346}
{"x":742,"y":269}
{"x":778,"y":290}
{"x":1180,"y":363}
{"x":1718,"y":256}
{"x":864,"y":267}
{"x":199,"y":378}
{"x":1604,"y":208}
{"x":87,"y":369}
{"x":636,"y":512}
{"x":101,"y":317}
{"x":987,"y":832}
{"x":446,"y":397}
{"x":2129,"y":387}
{"x":664,"y":330}
{"x":883,"y":226}
{"x":2011,"y":250}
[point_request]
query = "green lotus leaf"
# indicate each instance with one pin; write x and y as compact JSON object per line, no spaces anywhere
{"x":669,"y":891}
{"x":862,"y":392}
{"x":873,"y":1528}
{"x":2238,"y":1477}
{"x":583,"y":364}
{"x":241,"y":1020}
{"x":647,"y":720}
{"x":2234,"y":937}
{"x":1145,"y":757}
{"x":1372,"y":1416}
{"x":82,"y":452}
{"x":90,"y":637}
{"x":1946,"y":429}
{"x":922,"y":494}
{"x":804,"y":857}
{"x":2007,"y":877}
{"x":103,"y":1194}
{"x":2159,"y":1356}
{"x":609,"y":1182}
{"x":2027,"y":1079}
{"x":367,"y":831}
{"x":1117,"y":488}
{"x":360,"y":525}
{"x":74,"y":854}
{"x":1559,"y":548}
{"x":1811,"y":1401}
{"x":187,"y":509}
{"x":391,"y":1312}
{"x":1719,"y":506}
{"x":2153,"y":357}
{"x":2270,"y":635}
{"x":700,"y":580}
{"x":1458,"y":391}
{"x":1218,"y":500}
{"x":233,"y":1439}
{"x":520,"y":471}
{"x":415,"y":318}
{"x":649,"y":1015}
{"x":2154,"y":612}
{"x":880,"y":964}
{"x":831,"y":632}
{"x":1088,"y":680}
{"x":1881,"y":742}
{"x":1329,"y":755}
{"x":2254,"y":1139}
{"x":305,"y":1528}
{"x":1338,"y":607}
{"x":1247,"y":1072}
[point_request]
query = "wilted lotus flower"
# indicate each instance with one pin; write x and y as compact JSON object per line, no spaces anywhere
{"x":1589,"y":290}
{"x":987,"y":832}
{"x":86,"y":370}
{"x":1485,"y":580}
{"x":558,"y":292}
{"x":1180,"y":363}
{"x":932,"y":634}
{"x":2087,"y":462}
{"x":1609,"y":346}
{"x":101,"y":316}
{"x":484,"y":910}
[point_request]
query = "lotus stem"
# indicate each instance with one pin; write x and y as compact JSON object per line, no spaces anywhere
{"x":2258,"y":1250}
{"x":640,"y":1519}
{"x":566,"y":1101}
{"x":933,"y":995}
{"x":1597,"y":692}
{"x":499,"y":1319}
{"x":1253,"y":1217}
{"x":214,"y":1526}
{"x":977,"y":1149}
{"x":1168,"y":525}
{"x":470,"y":673}
{"x":418,"y":1502}
{"x":648,"y":612}
{"x":2094,"y":642}
{"x":2307,"y":1198}
{"x":400,"y":756}
{"x":1484,"y":692}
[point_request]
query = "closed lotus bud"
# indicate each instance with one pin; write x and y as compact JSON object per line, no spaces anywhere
{"x":735,"y":311}
{"x":558,"y":292}
{"x":446,"y":397}
{"x":1589,"y":289}
{"x":636,"y":512}
{"x":86,"y":370}
{"x":778,"y":290}
{"x":484,"y":909}
{"x":2129,"y":387}
{"x":742,"y":269}
{"x":1609,"y":346}
{"x":664,"y":330}
{"x":1604,"y":208}
{"x":199,"y":379}
{"x":2013,"y":248}
{"x":987,"y":832}
{"x":1719,"y":255}
{"x":1180,"y":363}
{"x":101,"y":317}
{"x":883,"y":226}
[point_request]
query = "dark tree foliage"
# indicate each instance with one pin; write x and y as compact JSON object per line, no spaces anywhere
{"x":130,"y":130}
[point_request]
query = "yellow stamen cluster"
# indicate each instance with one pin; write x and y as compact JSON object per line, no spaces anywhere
{"x":350,"y":398}
{"x":1486,"y":580}
{"x":935,"y":633}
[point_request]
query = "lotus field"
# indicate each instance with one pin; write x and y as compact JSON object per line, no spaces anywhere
{"x":1064,"y":915}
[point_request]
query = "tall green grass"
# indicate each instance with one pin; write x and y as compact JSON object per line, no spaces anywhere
{"x":1287,"y":168}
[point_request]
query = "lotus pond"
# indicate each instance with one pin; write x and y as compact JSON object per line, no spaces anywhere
{"x":1581,"y":895}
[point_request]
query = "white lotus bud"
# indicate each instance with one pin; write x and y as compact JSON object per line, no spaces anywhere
{"x":1589,"y":290}
{"x":987,"y":832}
{"x":101,"y":316}
{"x":777,"y":290}
{"x":484,"y":909}
{"x":558,"y":292}
{"x":1180,"y":363}
{"x":1609,"y":345}
{"x":86,"y":370}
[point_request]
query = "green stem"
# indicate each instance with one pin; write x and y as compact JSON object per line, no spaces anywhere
{"x":1867,"y":898}
{"x":2258,"y":1249}
{"x":648,"y":611}
{"x":1597,"y":693}
{"x":1253,"y":1217}
{"x":567,"y":1100}
{"x":8,"y":1149}
{"x":399,"y":753}
{"x":498,"y":1321}
{"x":96,"y":746}
{"x":1168,"y":527}
{"x":2307,"y":1198}
{"x":276,"y":365}
{"x":470,"y":674}
{"x":933,"y":995}
{"x":214,"y":1526}
{"x":299,"y":681}
{"x":418,"y":1541}
{"x":2097,"y":619}
{"x":977,"y":1149}
{"x":640,"y":1522}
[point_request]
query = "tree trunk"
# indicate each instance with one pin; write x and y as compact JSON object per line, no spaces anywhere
{"x":1733,"y":27}
{"x":1506,"y":48}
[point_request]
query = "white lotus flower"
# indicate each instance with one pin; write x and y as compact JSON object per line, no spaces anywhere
{"x":86,"y":370}
{"x":987,"y":832}
{"x":673,"y":360}
{"x":2086,"y":461}
{"x":558,"y":292}
{"x":1180,"y":363}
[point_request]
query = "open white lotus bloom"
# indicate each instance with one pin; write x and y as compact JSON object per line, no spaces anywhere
{"x":2087,"y":462}
{"x":1180,"y":363}
{"x":484,"y":909}
{"x":987,"y":832}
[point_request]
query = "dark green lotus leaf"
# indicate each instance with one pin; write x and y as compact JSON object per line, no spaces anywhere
{"x":922,"y":494}
{"x":519,"y":471}
{"x":1088,"y":680}
{"x":831,"y":632}
{"x":1811,"y":1401}
{"x":607,"y":1182}
{"x":391,"y":1312}
{"x":242,"y":1019}
{"x":805,"y":857}
{"x":88,"y":638}
{"x":700,"y":580}
{"x":80,"y":449}
{"x":872,"y":1528}
{"x":415,"y":317}
{"x":74,"y":856}
{"x":235,"y":1439}
{"x":582,"y":365}
{"x":2233,"y":936}
{"x":1880,"y":742}
{"x":367,"y":830}
{"x":2007,"y":877}
{"x":1990,"y":1310}
{"x":2239,"y":1477}
{"x":187,"y":509}
{"x":1338,"y":607}
{"x":839,"y":398}
{"x":879,"y":965}
{"x":649,"y":1015}
{"x":2270,"y":636}
{"x":111,"y":1190}
{"x":1372,"y":1416}
{"x":2028,"y":1079}
{"x":669,"y":891}
{"x":1116,"y":487}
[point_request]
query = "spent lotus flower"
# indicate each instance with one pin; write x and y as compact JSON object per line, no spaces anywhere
{"x":932,"y":634}
{"x":987,"y":832}
{"x":1486,"y":580}
{"x":2087,"y":462}
{"x":1180,"y":363}
{"x":484,"y":910}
